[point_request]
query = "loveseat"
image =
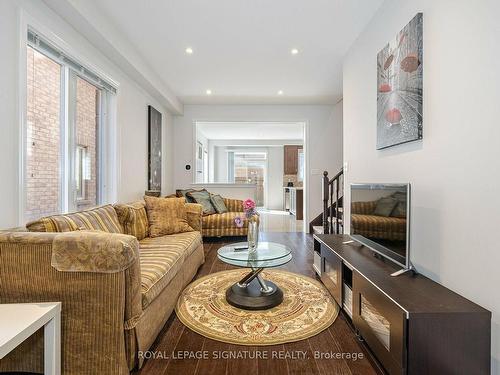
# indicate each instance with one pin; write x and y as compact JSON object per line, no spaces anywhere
{"x":219,"y":225}
{"x":364,"y":222}
{"x":117,"y":286}
{"x":215,"y":224}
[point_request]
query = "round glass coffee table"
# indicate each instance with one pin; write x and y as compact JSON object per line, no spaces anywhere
{"x":252,"y":292}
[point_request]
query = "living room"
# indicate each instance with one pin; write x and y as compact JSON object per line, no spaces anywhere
{"x":157,"y":258}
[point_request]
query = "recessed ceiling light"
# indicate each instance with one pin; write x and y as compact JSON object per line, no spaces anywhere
{"x":280,"y":92}
{"x":209,"y":92}
{"x":294,"y":51}
{"x":189,"y":51}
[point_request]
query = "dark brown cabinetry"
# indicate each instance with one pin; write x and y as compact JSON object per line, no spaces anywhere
{"x":331,"y":274}
{"x":411,"y":324}
{"x":297,"y":202}
{"x":291,"y":158}
{"x":380,"y":322}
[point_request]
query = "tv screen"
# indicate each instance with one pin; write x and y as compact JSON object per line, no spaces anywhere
{"x":380,"y":218}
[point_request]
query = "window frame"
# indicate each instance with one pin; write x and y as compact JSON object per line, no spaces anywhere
{"x":81,"y":157}
{"x":109,"y":155}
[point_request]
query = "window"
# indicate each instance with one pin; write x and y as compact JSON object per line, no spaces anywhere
{"x":64,"y":137}
{"x":249,"y":168}
{"x":43,"y":183}
{"x":82,"y":172}
{"x":87,"y":139}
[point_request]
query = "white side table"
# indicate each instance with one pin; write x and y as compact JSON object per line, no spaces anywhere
{"x":18,"y":321}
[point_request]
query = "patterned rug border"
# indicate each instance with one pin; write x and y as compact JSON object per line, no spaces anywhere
{"x":313,"y":333}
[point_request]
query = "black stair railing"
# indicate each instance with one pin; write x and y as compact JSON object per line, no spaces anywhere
{"x":332,"y":203}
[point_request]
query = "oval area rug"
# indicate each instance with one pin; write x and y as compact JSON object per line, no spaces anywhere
{"x":306,"y":310}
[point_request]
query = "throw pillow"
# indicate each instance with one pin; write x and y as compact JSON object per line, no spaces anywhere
{"x":182,"y":193}
{"x":385,"y":206}
{"x":400,"y":209}
{"x":203,"y":197}
{"x":133,"y":218}
{"x":166,"y":216}
{"x":218,"y":203}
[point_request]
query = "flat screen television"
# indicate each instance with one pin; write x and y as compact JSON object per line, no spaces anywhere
{"x":380,"y":220}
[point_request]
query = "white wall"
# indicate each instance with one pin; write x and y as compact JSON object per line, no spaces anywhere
{"x":323,"y":147}
{"x":454,"y":171}
{"x":132,"y":101}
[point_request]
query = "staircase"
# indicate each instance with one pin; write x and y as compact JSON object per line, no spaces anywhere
{"x":331,"y":219}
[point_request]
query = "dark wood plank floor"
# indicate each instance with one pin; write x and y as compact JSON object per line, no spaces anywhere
{"x":294,"y":358}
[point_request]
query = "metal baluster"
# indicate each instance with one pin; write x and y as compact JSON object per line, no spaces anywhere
{"x":325,"y":202}
{"x":337,"y":204}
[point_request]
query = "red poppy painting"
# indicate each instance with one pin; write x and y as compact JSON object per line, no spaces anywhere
{"x":399,"y":87}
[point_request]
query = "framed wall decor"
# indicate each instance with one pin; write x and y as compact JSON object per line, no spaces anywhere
{"x":154,"y":149}
{"x":400,"y":87}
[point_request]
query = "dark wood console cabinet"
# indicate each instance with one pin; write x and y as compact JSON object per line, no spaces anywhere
{"x":411,"y":324}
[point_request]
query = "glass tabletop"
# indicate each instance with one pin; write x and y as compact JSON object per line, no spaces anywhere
{"x":268,"y":254}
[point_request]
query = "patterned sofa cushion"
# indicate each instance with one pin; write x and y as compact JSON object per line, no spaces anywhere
{"x":102,"y":218}
{"x":161,"y":258}
{"x":385,"y":206}
{"x":218,"y":203}
{"x":202,"y":197}
{"x":194,"y":212}
{"x":133,"y":218}
{"x":166,"y":216}
{"x":179,"y":193}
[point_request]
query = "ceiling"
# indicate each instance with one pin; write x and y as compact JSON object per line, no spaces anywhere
{"x":242,"y":48}
{"x":251,"y":130}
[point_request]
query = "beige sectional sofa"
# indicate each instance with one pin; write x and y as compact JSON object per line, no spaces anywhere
{"x":117,"y":286}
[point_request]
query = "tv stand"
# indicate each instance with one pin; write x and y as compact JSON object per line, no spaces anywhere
{"x":403,"y":271}
{"x":411,"y":324}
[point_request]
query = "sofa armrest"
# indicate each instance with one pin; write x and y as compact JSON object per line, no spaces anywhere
{"x":100,"y":291}
{"x":93,"y":251}
{"x":234,"y":205}
{"x":194,"y":213}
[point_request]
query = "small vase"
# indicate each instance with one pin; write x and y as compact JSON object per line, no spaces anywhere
{"x":253,"y":235}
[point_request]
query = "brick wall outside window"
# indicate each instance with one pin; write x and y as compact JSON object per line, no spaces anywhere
{"x":86,"y":136}
{"x":43,"y":136}
{"x":43,"y":157}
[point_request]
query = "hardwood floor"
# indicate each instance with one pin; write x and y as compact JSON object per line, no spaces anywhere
{"x":294,"y":358}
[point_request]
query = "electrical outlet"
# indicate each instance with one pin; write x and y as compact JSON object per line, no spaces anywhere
{"x":315,"y":171}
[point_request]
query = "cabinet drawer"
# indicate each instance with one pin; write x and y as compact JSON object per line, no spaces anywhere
{"x":382,"y":324}
{"x":331,"y":276}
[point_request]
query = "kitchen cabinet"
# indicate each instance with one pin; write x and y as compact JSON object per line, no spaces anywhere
{"x":291,"y":159}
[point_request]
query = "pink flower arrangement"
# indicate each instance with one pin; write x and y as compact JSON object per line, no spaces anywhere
{"x":249,"y":208}
{"x":248,"y":204}
{"x":250,"y":211}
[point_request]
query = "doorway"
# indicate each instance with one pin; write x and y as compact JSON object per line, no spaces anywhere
{"x":253,"y":160}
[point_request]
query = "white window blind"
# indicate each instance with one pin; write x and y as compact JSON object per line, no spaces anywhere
{"x":44,"y":46}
